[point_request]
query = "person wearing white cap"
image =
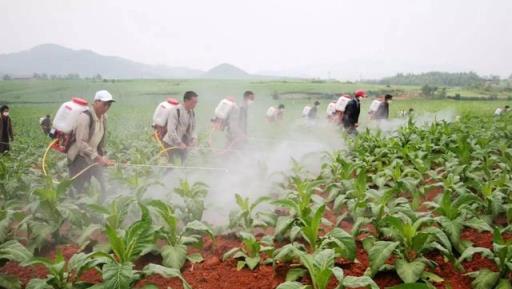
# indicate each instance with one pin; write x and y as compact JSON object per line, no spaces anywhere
{"x":88,"y":146}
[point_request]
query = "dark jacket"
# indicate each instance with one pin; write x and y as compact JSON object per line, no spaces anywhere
{"x":352,"y":111}
{"x":383,"y":111}
{"x":6,"y":135}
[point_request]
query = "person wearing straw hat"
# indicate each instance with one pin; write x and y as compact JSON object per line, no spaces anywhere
{"x":181,"y":128}
{"x":87,"y":155}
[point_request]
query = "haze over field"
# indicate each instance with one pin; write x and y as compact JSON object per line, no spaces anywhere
{"x":339,"y":39}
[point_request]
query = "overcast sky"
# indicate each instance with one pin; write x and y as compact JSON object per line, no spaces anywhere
{"x":343,"y":39}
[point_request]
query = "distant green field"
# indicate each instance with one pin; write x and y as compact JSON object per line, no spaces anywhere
{"x":136,"y":100}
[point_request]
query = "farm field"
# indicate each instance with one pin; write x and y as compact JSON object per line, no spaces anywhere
{"x":422,"y":202}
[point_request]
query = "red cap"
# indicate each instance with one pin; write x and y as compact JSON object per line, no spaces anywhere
{"x":360,"y":93}
{"x":173,"y":101}
{"x":79,"y":101}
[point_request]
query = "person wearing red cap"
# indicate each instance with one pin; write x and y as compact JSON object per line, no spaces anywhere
{"x":352,"y":111}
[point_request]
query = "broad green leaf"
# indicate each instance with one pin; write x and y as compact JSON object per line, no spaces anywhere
{"x":240,"y":265}
{"x":485,"y":279}
{"x":292,"y":285}
{"x":252,"y":262}
{"x":165,"y":272}
{"x":409,"y":272}
{"x":338,"y":274}
{"x":117,"y":275}
{"x":195,"y":258}
{"x":199,"y":227}
{"x":295,"y":230}
{"x":230,"y":253}
{"x":14,"y":251}
{"x":174,"y":256}
{"x":504,"y":284}
{"x":9,"y":282}
{"x":38,"y":284}
{"x":295,"y":273}
{"x":346,"y":243}
{"x":469,"y":252}
{"x":478,"y":224}
{"x":362,"y":281}
{"x":282,"y":224}
{"x":431,"y":277}
{"x":379,"y":253}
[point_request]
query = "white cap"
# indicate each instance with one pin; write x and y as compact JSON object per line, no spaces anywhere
{"x":104,"y":96}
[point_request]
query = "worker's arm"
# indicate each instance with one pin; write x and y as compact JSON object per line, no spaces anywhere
{"x":171,"y":137}
{"x":11,"y":132}
{"x":82,"y":137}
{"x":101,"y":146}
{"x":193,"y":132}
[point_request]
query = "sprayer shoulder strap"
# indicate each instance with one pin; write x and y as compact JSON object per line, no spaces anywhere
{"x":91,"y":123}
{"x":73,"y":135}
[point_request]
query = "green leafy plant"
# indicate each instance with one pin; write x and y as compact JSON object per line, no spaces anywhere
{"x":12,"y":251}
{"x":412,"y":240}
{"x":174,"y":253}
{"x":501,"y":254}
{"x":193,"y":198}
{"x":62,"y":274}
{"x":247,"y":217}
{"x":320,"y":267}
{"x":250,"y":253}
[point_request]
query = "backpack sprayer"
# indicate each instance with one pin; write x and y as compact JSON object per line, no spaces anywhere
{"x":64,"y":123}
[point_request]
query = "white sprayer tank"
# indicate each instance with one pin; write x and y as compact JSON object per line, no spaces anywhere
{"x":224,"y":108}
{"x":68,"y":114}
{"x":162,"y":111}
{"x":331,"y":108}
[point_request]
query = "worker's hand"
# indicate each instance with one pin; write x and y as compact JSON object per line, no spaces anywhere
{"x":104,"y":161}
{"x":192,"y":143}
{"x":182,"y":146}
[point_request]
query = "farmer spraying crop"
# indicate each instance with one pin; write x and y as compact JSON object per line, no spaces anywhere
{"x":382,"y":111}
{"x":6,"y":132}
{"x":46,"y":124}
{"x":181,"y":128}
{"x":248,"y":99}
{"x":88,"y":145}
{"x":352,"y":111}
{"x":233,"y":117}
{"x":374,"y":106}
{"x":340,"y":106}
{"x":160,"y":117}
{"x":499,"y":111}
{"x":331,"y":111}
{"x":275,"y":114}
{"x":310,"y":112}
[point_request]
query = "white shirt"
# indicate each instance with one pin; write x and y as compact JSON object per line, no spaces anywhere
{"x":342,"y":103}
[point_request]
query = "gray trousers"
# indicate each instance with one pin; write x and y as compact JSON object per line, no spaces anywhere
{"x":77,"y":166}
